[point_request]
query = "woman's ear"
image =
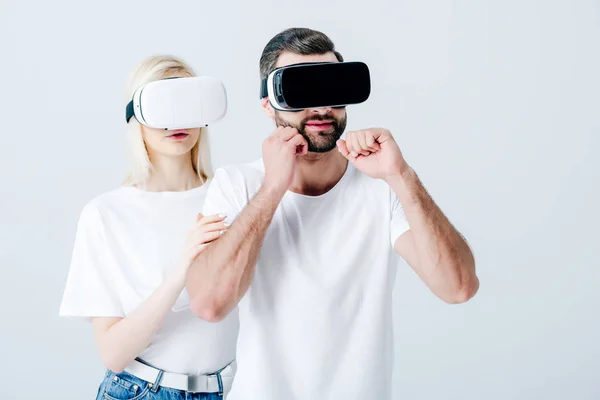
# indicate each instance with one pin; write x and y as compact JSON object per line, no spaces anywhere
{"x":267,"y":108}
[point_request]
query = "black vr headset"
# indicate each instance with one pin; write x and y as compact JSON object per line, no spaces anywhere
{"x":315,"y":85}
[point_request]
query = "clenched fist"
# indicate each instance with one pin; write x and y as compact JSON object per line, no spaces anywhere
{"x":374,"y":152}
{"x":279,"y":156}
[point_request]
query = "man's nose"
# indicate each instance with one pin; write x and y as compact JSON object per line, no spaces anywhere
{"x":321,"y":111}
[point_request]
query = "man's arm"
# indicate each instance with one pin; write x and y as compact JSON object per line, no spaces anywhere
{"x":222,"y":273}
{"x":432,"y":247}
{"x":435,"y":250}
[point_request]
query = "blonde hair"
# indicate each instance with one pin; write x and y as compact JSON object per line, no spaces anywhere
{"x":152,"y":69}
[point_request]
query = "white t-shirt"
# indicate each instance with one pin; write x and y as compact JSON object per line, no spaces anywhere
{"x":316,"y":322}
{"x":126,"y":243}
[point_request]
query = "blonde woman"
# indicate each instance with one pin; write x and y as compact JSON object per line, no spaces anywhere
{"x":132,"y":250}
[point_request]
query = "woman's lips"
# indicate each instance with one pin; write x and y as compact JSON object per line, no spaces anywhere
{"x":178,"y":134}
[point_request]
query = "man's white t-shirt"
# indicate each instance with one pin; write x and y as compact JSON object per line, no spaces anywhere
{"x":126,"y":243}
{"x":316,"y":322}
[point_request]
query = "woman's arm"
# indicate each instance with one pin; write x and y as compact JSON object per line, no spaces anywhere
{"x":121,"y":340}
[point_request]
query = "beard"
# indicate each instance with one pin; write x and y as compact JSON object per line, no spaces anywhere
{"x":321,"y":141}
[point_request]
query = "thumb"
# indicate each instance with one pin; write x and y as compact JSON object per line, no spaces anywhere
{"x":199,"y":217}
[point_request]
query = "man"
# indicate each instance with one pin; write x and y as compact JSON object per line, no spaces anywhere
{"x":309,"y":253}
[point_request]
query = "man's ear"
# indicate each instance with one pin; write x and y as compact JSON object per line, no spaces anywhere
{"x":267,"y":108}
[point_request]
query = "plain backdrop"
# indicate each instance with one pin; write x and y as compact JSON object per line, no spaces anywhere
{"x":495,"y":104}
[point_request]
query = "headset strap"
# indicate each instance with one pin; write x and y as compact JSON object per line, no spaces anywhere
{"x":129,"y":111}
{"x":264,"y":92}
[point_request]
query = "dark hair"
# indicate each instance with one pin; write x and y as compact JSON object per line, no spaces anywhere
{"x":296,"y":40}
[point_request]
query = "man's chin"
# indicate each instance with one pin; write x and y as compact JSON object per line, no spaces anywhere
{"x":321,"y":147}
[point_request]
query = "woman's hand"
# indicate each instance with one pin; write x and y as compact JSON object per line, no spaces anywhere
{"x":204,"y":231}
{"x":120,"y":340}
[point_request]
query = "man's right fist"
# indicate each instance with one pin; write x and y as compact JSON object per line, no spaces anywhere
{"x":279,"y":156}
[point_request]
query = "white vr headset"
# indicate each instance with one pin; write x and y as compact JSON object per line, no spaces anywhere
{"x":179,"y":103}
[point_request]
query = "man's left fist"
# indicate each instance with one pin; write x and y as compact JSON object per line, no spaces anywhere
{"x":374,"y":152}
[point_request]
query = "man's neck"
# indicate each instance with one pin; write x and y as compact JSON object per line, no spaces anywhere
{"x":318,"y":173}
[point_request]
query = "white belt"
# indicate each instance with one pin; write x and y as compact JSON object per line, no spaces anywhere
{"x":189,"y":383}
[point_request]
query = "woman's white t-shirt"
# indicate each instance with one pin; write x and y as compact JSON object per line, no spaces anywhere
{"x":126,"y":243}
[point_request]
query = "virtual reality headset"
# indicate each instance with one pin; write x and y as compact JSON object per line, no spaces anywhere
{"x":179,"y":103}
{"x":315,"y":85}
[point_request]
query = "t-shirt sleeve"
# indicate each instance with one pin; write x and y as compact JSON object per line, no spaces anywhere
{"x":221,"y":198}
{"x":399,"y":223}
{"x":225,"y":196}
{"x":89,"y":290}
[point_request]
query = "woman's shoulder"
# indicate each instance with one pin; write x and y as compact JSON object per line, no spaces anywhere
{"x":104,"y":202}
{"x":109,"y":197}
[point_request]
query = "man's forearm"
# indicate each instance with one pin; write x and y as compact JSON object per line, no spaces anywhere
{"x":222,"y":273}
{"x":445,"y":260}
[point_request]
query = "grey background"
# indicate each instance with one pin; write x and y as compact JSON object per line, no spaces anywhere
{"x":494,"y":103}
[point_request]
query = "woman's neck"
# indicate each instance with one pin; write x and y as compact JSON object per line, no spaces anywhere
{"x":172,"y":174}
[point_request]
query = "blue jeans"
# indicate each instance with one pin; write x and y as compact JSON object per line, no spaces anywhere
{"x":124,"y":386}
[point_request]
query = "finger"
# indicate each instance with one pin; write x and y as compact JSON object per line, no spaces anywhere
{"x":209,"y":220}
{"x":362,"y":140}
{"x":372,"y":141}
{"x":302,"y":149}
{"x":291,"y":134}
{"x":286,"y":133}
{"x":298,"y":143}
{"x":208,"y":237}
{"x":280,"y":134}
{"x":381,"y":135}
{"x":197,"y":250}
{"x":199,"y":217}
{"x":354,"y":145}
{"x":362,"y":143}
{"x":216,"y":226}
{"x":348,"y":143}
{"x":341,"y":145}
{"x":202,"y":236}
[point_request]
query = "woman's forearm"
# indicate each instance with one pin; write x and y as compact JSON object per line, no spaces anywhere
{"x":121,"y":340}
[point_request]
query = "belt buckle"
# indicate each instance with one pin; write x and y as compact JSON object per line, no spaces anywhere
{"x":193,"y":383}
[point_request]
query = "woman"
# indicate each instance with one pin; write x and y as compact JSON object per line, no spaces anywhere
{"x":132,"y":250}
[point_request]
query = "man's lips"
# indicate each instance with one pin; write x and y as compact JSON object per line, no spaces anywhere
{"x":317,"y":123}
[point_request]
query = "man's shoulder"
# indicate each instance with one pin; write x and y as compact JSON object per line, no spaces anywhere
{"x":247,"y":174}
{"x":247,"y":168}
